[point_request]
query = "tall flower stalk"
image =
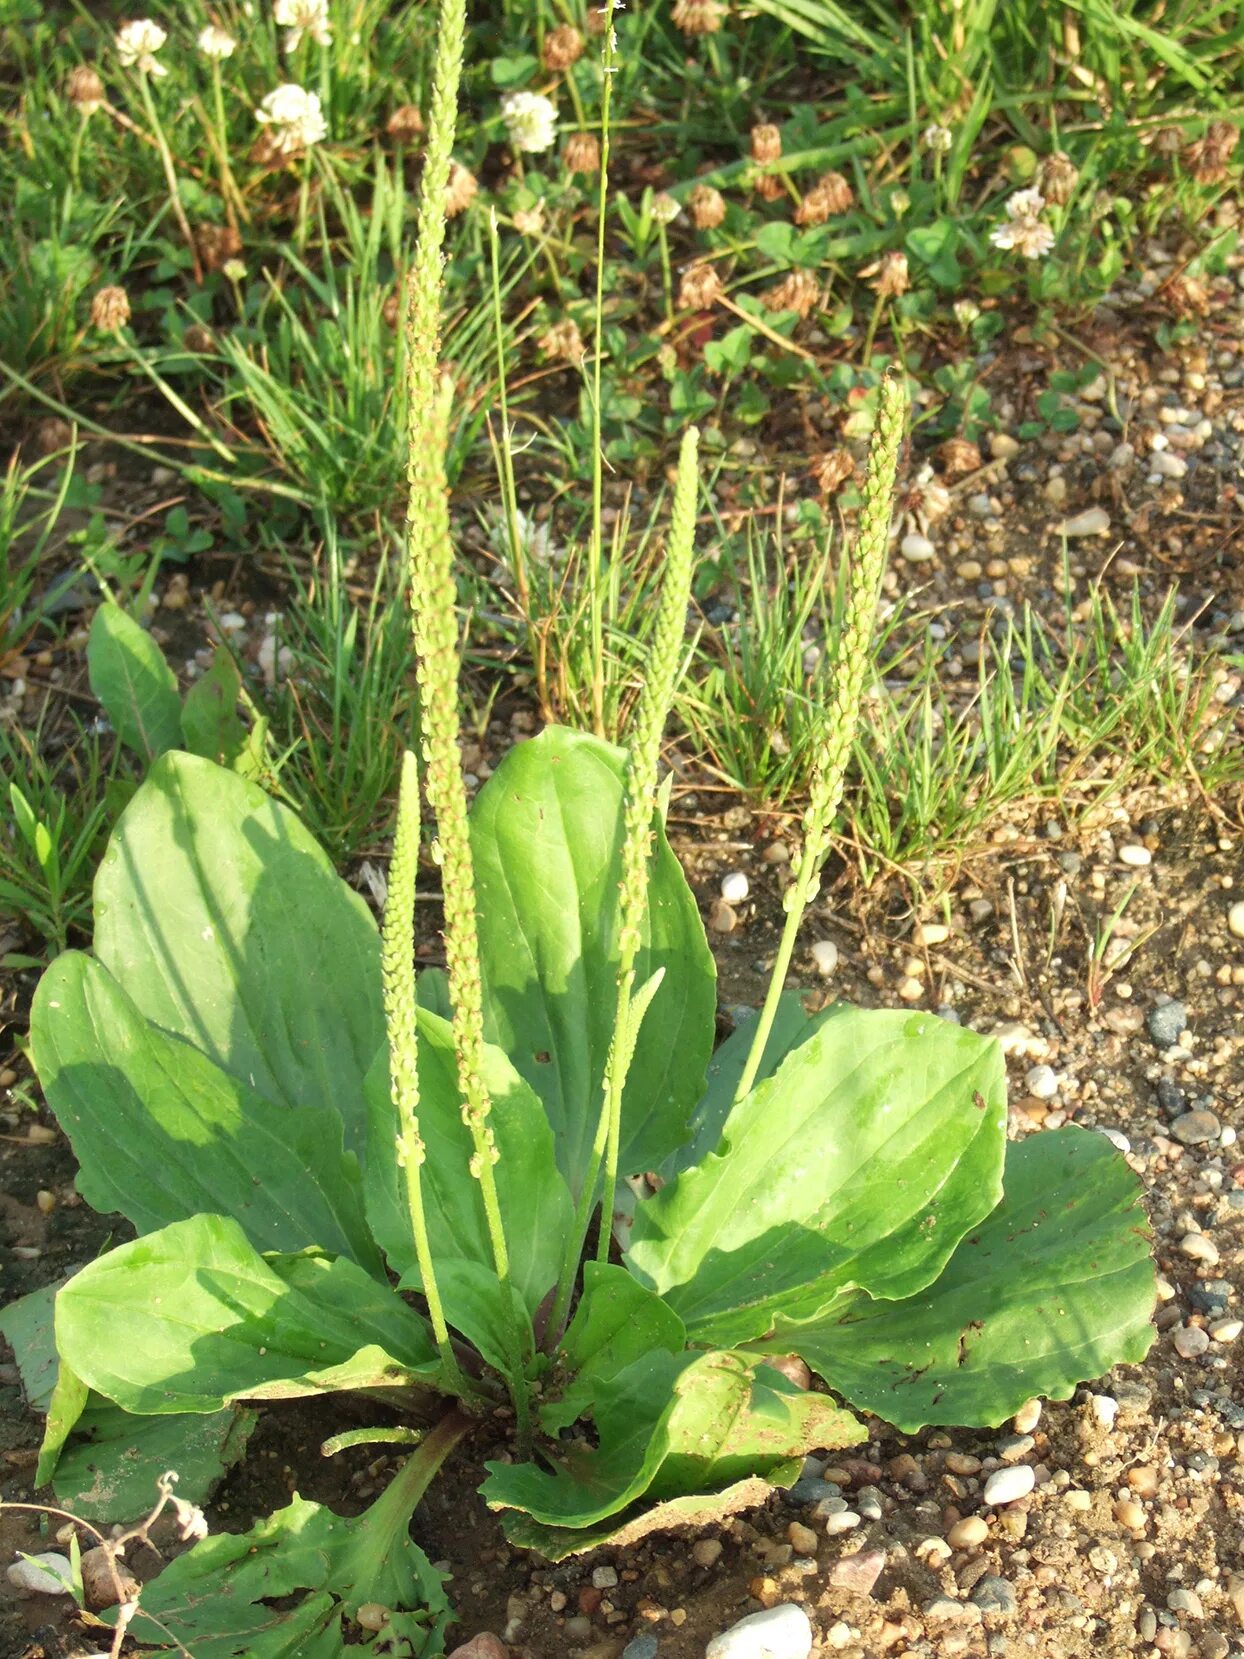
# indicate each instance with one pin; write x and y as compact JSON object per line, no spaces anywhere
{"x":842,"y":716}
{"x":640,"y":808}
{"x":596,"y":598}
{"x":397,"y":965}
{"x":433,"y":598}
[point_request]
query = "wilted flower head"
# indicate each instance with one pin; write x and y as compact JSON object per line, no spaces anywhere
{"x":563,"y":342}
{"x":1059,"y":177}
{"x":766,"y":143}
{"x":303,"y":17}
{"x":84,"y":89}
{"x":959,"y":456}
{"x":698,"y":17}
{"x":700,"y":287}
{"x":937,"y":138}
{"x":461,"y":189}
{"x":562,"y":47}
{"x":830,"y":195}
{"x":833,"y":470}
{"x":529,"y":221}
{"x":110,"y":309}
{"x":295,"y":117}
{"x":889,"y":274}
{"x":216,"y":43}
{"x":1168,"y":141}
{"x":217,"y":245}
{"x":800,"y":291}
{"x":530,"y":120}
{"x":708,"y":207}
{"x":405,"y":123}
{"x":1221,"y":139}
{"x":582,"y":153}
{"x":137,"y":44}
{"x":664,"y":208}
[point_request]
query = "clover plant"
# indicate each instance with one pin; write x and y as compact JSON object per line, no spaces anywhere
{"x":528,"y":1188}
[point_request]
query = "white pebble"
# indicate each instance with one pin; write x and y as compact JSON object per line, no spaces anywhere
{"x":825,"y":955}
{"x":781,"y":1632}
{"x":48,"y":1574}
{"x":1135,"y":855}
{"x":846,"y":1521}
{"x":1167,"y":465}
{"x":1235,"y":919}
{"x":1093,"y":521}
{"x":1226,"y":1330}
{"x":1042,"y":1082}
{"x":1005,"y":1485}
{"x":1105,"y":1409}
{"x":1190,"y":1341}
{"x":931,"y":933}
{"x":1027,"y":1417}
{"x":735,"y":887}
{"x":604,"y":1578}
{"x":917,"y":548}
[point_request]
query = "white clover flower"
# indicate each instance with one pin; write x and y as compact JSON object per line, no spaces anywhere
{"x":664,"y":208}
{"x":1030,"y":237}
{"x":937,"y":138}
{"x":137,"y":44}
{"x":531,"y":121}
{"x":966,"y":312}
{"x":1025,"y":204}
{"x":295,"y":115}
{"x":303,"y":17}
{"x":216,"y":43}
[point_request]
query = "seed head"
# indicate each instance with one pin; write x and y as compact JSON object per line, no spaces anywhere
{"x":835,"y":468}
{"x":529,"y":221}
{"x":84,"y":89}
{"x":1221,"y":139}
{"x":582,"y":153}
{"x":664,"y":208}
{"x":1187,"y":296}
{"x":461,"y":190}
{"x":708,"y":207}
{"x":828,"y":197}
{"x":563,"y":342}
{"x":700,"y":287}
{"x":1168,"y":141}
{"x":768,"y":186}
{"x":217,"y":245}
{"x":766,"y":143}
{"x":110,"y":310}
{"x":562,"y":47}
{"x":959,"y":457}
{"x":699,"y":17}
{"x":405,"y":124}
{"x":1059,"y":177}
{"x":137,"y":45}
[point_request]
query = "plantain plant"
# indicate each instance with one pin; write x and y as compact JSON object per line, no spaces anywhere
{"x":526,"y":1188}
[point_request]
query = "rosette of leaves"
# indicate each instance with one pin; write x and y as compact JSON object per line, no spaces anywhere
{"x":220,"y":1064}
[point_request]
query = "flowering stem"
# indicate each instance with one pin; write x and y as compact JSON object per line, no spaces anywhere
{"x":640,"y":809}
{"x":667,"y":281}
{"x":228,"y":185}
{"x":833,"y":743}
{"x":170,"y":173}
{"x":596,"y":550}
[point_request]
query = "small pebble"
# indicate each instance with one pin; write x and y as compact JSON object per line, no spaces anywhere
{"x":1226,"y":1330}
{"x":1182,"y":1600}
{"x":48,"y":1574}
{"x":804,"y":1540}
{"x":966,"y":1534}
{"x":858,"y":1573}
{"x":1166,"y":1023}
{"x":1093,"y":521}
{"x":825,"y":956}
{"x":781,"y":1632}
{"x":845,"y":1521}
{"x":945,"y":1609}
{"x":722,"y":917}
{"x":995,"y":1595}
{"x":1199,"y":1248}
{"x":483,"y":1646}
{"x":1130,"y":1514}
{"x":917,"y":548}
{"x":735,"y":887}
{"x":1196,"y":1128}
{"x":1235,"y":919}
{"x":1105,"y":1409}
{"x":1005,"y":1485}
{"x":1042,"y":1082}
{"x":1190,"y":1341}
{"x":928,"y":934}
{"x":643,"y":1646}
{"x":706,"y":1552}
{"x":1135,"y":855}
{"x":604,"y":1578}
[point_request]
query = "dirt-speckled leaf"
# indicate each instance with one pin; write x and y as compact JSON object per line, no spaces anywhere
{"x":110,"y":1465}
{"x":546,"y":833}
{"x":861,"y":1162}
{"x":136,"y":686}
{"x":673,"y":1426}
{"x":228,"y":926}
{"x":535,"y":1202}
{"x":616,"y":1322}
{"x":193,"y":1317}
{"x":1053,"y":1289}
{"x":233,"y":1595}
{"x":162,"y":1133}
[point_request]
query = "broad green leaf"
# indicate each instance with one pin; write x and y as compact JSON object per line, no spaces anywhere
{"x":216,"y":1601}
{"x":546,"y":835}
{"x":136,"y":686}
{"x":193,"y":1317}
{"x":227,"y":925}
{"x":1053,"y":1289}
{"x":26,"y":1325}
{"x":861,"y":1162}
{"x":616,"y":1323}
{"x":162,"y":1133}
{"x":536,"y":1207}
{"x":792,"y":1025}
{"x":210,"y":723}
{"x":69,"y":1400}
{"x":493,"y":1321}
{"x":110,"y":1465}
{"x":672,"y":1426}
